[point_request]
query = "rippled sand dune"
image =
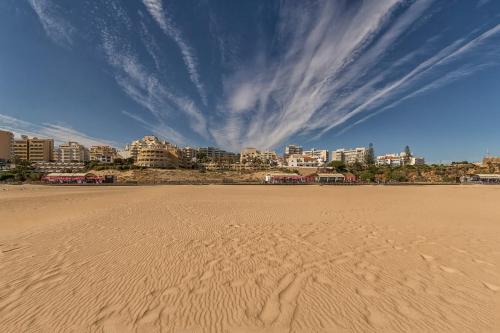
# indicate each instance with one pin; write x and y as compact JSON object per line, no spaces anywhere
{"x":250,"y":259}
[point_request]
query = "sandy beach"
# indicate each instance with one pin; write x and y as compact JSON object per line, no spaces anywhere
{"x":250,"y":259}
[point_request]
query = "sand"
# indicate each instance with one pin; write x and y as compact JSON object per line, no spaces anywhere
{"x":250,"y":259}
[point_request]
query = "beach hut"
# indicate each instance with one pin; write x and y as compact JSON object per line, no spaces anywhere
{"x":73,"y":178}
{"x":288,"y":178}
{"x":482,"y":178}
{"x":350,"y":178}
{"x":330,"y":178}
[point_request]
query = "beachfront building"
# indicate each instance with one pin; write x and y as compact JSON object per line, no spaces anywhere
{"x":6,"y":146}
{"x":103,"y":154}
{"x":322,"y":154}
{"x":33,"y":150}
{"x":293,"y":149}
{"x":396,"y":160}
{"x":350,"y":156}
{"x":72,"y":152}
{"x":329,"y":178}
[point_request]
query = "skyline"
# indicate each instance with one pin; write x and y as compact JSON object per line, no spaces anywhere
{"x":321,"y":73}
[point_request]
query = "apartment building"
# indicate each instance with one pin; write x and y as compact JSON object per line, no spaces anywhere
{"x":269,"y":156}
{"x":40,"y":150}
{"x":322,"y":154}
{"x":350,"y":156}
{"x":103,"y":154}
{"x":303,"y":161}
{"x":6,"y":145}
{"x":293,"y":149}
{"x":401,"y":159}
{"x":72,"y":152}
{"x":21,"y":148}
{"x":249,"y":154}
{"x":33,"y":150}
{"x":189,"y":153}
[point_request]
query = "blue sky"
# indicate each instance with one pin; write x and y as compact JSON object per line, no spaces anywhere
{"x":323,"y":74}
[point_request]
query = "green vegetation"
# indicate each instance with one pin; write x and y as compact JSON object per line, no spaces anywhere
{"x":118,"y":164}
{"x":412,"y":173}
{"x":370,"y":155}
{"x":21,"y":173}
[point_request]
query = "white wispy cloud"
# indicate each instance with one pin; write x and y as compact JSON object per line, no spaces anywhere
{"x":338,"y":62}
{"x":146,"y":89}
{"x":156,"y":10}
{"x":56,"y":27}
{"x":157,"y":129}
{"x":481,"y":3}
{"x":330,"y":64}
{"x":59,"y":132}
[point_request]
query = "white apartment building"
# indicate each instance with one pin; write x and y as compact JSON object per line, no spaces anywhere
{"x":72,"y":152}
{"x":400,"y":159}
{"x":323,"y":154}
{"x":350,"y":156}
{"x":300,"y":160}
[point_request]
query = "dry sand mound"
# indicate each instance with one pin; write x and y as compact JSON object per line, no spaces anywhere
{"x":249,"y":259}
